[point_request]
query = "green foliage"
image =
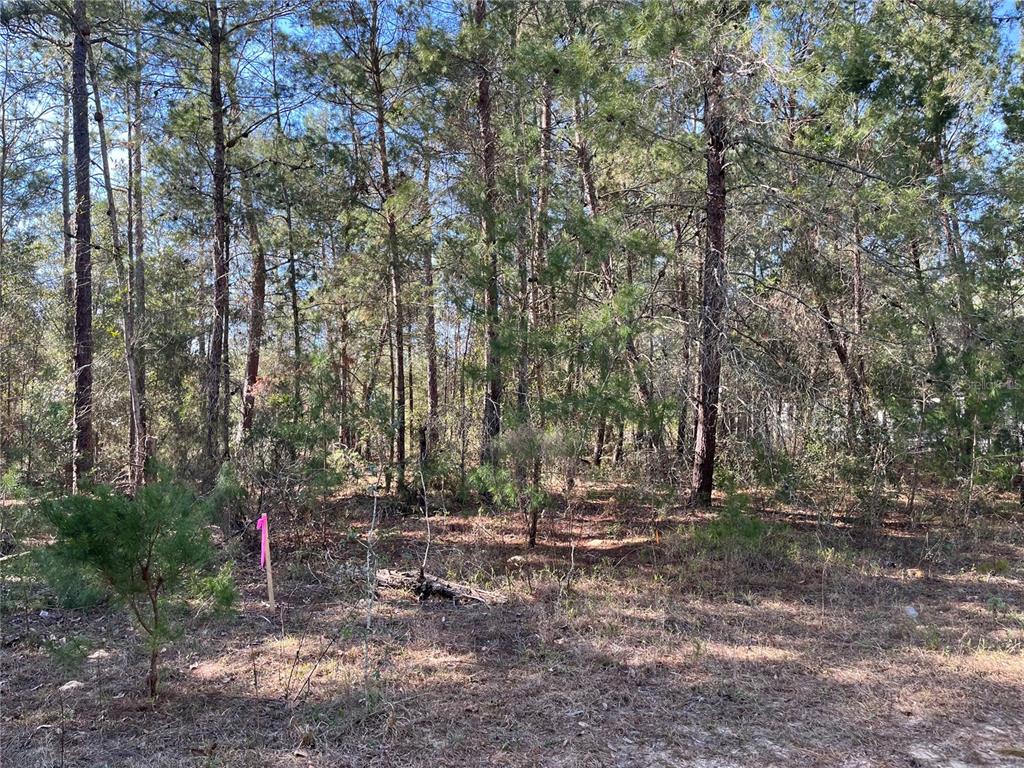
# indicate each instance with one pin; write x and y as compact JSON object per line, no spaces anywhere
{"x":74,"y":586}
{"x":997,"y":605}
{"x":68,"y":654}
{"x":766,"y":466}
{"x":132,"y":544}
{"x":996,"y":567}
{"x":224,"y":502}
{"x":142,"y":549}
{"x":442,"y":472}
{"x":495,"y":484}
{"x":218,"y":590}
{"x":10,"y":484}
{"x":871,"y":180}
{"x":733,"y":529}
{"x":505,"y":491}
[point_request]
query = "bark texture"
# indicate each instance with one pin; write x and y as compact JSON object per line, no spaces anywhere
{"x":712,"y":311}
{"x":84,"y":447}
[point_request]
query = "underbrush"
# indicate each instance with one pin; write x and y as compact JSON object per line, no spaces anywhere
{"x":735,"y":535}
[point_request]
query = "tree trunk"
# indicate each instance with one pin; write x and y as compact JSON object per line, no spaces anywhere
{"x":430,"y":330}
{"x":599,"y":441}
{"x":540,"y":241}
{"x":683,"y":311}
{"x":69,"y":249}
{"x":145,"y":443}
{"x":492,"y":393}
{"x":712,"y":312}
{"x":68,"y":218}
{"x":620,"y":443}
{"x":347,"y":433}
{"x":293,"y":281}
{"x":256,"y":307}
{"x":215,"y":360}
{"x":850,"y":370}
{"x":394,"y":262}
{"x":525,"y":257}
{"x":84,"y":438}
{"x":225,"y":364}
{"x":641,"y":376}
{"x":137,"y":436}
{"x":954,"y":246}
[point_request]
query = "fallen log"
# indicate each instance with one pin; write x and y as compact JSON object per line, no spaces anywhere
{"x":425,"y":585}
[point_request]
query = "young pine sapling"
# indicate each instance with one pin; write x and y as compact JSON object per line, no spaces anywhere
{"x":142,"y":548}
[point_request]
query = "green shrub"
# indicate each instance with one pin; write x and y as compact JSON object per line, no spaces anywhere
{"x":997,"y":567}
{"x":142,"y":549}
{"x":69,"y":654}
{"x":496,"y":485}
{"x":501,"y":489}
{"x":10,"y":484}
{"x":734,"y":530}
{"x":217,"y":590}
{"x":74,"y":588}
{"x":225,"y":499}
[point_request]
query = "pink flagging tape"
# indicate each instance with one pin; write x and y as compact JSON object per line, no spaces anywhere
{"x":264,"y":526}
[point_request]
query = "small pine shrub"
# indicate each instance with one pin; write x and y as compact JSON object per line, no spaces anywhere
{"x":142,"y":549}
{"x":217,"y":590}
{"x":68,"y":655}
{"x":736,"y":532}
{"x":74,"y":588}
{"x":502,"y":491}
{"x":495,"y":485}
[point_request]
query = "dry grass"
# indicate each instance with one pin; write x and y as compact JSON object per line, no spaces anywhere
{"x":647,"y":652}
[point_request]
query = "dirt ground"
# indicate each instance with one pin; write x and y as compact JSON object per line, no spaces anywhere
{"x":623,"y":641}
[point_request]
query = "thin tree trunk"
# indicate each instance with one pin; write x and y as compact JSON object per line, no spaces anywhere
{"x":395,"y":266}
{"x":67,"y":216}
{"x":713,"y":293}
{"x":346,"y":379}
{"x":492,"y":393}
{"x":84,"y":446}
{"x":256,"y":307}
{"x":524,"y":247}
{"x":293,"y":282}
{"x":145,"y":442}
{"x":683,"y":310}
{"x":225,"y":363}
{"x":599,"y":441}
{"x":6,"y":427}
{"x":934,"y":341}
{"x":430,"y":329}
{"x":220,"y":267}
{"x":584,"y":160}
{"x":391,"y":391}
{"x":540,"y":243}
{"x":69,"y":247}
{"x":137,"y":432}
{"x":954,"y":246}
{"x":129,"y":228}
{"x":853,"y":379}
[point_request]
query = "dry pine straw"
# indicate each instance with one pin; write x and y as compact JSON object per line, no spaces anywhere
{"x":650,"y":654}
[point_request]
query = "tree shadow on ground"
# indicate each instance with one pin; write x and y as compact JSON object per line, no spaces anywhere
{"x":624,"y":660}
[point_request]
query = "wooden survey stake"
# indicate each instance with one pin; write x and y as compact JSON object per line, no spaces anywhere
{"x":264,"y":526}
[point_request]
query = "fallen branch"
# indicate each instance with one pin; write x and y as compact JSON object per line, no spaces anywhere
{"x":425,"y":585}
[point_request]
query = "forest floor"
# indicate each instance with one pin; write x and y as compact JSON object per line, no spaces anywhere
{"x":631,"y":636}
